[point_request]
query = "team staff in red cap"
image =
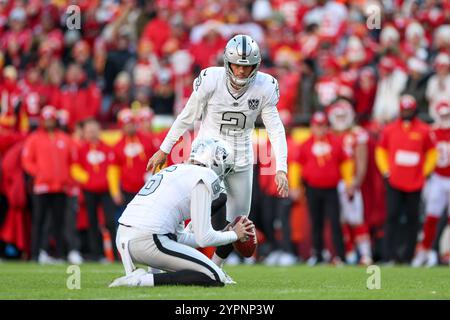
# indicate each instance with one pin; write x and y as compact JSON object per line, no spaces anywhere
{"x":322,"y":163}
{"x":406,"y":155}
{"x":131,"y":153}
{"x":94,"y":169}
{"x":47,"y":156}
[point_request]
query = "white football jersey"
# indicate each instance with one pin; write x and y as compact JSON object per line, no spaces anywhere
{"x":232,"y":118}
{"x":164,"y":202}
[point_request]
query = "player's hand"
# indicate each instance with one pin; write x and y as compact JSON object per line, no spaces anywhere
{"x":282,"y":184}
{"x":156,"y":161}
{"x":243,"y":228}
{"x":350,"y":191}
{"x":118,"y":199}
{"x":295,"y":194}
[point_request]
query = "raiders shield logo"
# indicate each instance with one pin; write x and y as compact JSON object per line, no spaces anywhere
{"x":253,"y":104}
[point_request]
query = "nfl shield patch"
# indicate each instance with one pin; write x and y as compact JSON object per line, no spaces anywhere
{"x":253,"y":104}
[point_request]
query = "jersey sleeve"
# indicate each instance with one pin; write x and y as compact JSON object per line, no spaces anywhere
{"x":204,"y":233}
{"x":274,"y":126}
{"x":203,"y":87}
{"x":212,"y":183}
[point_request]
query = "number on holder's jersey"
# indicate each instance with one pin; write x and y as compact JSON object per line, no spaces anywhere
{"x":153,"y":183}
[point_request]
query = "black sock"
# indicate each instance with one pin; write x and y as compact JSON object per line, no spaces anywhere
{"x":187,"y":278}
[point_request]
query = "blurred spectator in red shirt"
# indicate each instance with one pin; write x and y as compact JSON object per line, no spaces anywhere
{"x":9,"y":96}
{"x":33,"y":94}
{"x":18,"y":39}
{"x":418,"y":76}
{"x":121,"y":99}
{"x":437,"y":190}
{"x":47,"y":157}
{"x":391,"y":83}
{"x":131,"y":153}
{"x":81,"y":54}
{"x":158,"y":29}
{"x":365,"y":90}
{"x":81,"y":99}
{"x":94,"y":169}
{"x":144,"y":68}
{"x":354,"y":141}
{"x":206,"y":51}
{"x":48,"y":33}
{"x":322,"y":164}
{"x":405,"y":155}
{"x":438,"y":87}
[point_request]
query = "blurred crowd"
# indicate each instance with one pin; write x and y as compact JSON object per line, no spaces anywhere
{"x":128,"y":71}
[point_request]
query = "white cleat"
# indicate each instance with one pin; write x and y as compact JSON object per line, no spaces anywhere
{"x":250,"y":261}
{"x":45,"y":258}
{"x":420,"y":259}
{"x":287,"y":259}
{"x":228,"y":280}
{"x":351,"y":258}
{"x":132,"y":280}
{"x":432,"y":259}
{"x":74,"y":257}
{"x":233,"y":260}
{"x":366,"y":261}
{"x":272,"y":258}
{"x":312,"y":261}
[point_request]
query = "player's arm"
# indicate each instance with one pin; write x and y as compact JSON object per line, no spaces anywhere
{"x":205,"y":235}
{"x":277,"y":137}
{"x":361,"y":159}
{"x":191,"y":112}
{"x":29,"y":157}
{"x":187,"y":238}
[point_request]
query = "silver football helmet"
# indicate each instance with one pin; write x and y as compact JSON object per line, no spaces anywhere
{"x":213,"y":153}
{"x":241,"y":50}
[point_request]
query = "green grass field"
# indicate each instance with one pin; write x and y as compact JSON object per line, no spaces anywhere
{"x":32,"y":281}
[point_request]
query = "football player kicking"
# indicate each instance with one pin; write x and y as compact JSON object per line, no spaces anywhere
{"x":228,"y":100}
{"x":151,"y":229}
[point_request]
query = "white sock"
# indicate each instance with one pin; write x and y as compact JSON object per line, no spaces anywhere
{"x":218,"y":260}
{"x":154,"y":270}
{"x":364,"y":248}
{"x":147,"y":280}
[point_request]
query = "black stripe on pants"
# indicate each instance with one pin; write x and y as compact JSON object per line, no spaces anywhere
{"x":325,"y":202}
{"x":180,"y":277}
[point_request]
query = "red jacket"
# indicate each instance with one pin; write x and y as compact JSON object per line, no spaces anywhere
{"x":47,"y":158}
{"x":406,"y":148}
{"x":320,"y":160}
{"x":95,"y":160}
{"x":131,"y":155}
{"x":81,"y":103}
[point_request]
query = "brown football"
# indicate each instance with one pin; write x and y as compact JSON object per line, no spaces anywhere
{"x":245,"y":248}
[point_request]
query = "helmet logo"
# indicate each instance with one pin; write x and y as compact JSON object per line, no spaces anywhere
{"x":221,"y":154}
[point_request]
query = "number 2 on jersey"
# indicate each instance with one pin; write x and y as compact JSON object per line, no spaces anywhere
{"x":232,"y":121}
